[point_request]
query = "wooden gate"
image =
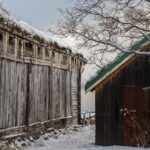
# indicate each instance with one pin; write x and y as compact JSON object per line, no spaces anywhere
{"x":135,"y":112}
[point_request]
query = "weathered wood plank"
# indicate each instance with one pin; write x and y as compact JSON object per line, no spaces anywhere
{"x":35,"y":93}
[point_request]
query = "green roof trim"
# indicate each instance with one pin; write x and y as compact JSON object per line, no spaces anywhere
{"x":115,"y":63}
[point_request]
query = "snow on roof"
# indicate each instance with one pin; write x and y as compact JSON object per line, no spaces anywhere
{"x":24,"y":26}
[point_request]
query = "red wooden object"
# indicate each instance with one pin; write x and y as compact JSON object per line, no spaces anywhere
{"x":135,"y":109}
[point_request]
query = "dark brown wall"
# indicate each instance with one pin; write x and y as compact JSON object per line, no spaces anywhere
{"x":109,"y":100}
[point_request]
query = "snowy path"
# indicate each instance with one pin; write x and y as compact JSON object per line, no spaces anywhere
{"x":73,"y":138}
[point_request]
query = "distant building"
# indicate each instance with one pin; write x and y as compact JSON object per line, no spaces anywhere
{"x":87,"y":101}
{"x":123,"y":99}
{"x":39,"y":80}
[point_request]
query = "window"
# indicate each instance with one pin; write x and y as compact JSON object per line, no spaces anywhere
{"x":29,"y":46}
{"x":46,"y":52}
{"x":28,"y":51}
{"x":64,"y":61}
{"x":20,"y":45}
{"x":72,"y":61}
{"x":11,"y":44}
{"x":39,"y":51}
{"x":1,"y":36}
{"x":53,"y":54}
{"x":11,"y":41}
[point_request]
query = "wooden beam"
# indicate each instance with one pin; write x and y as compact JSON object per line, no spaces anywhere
{"x":16,"y":48}
{"x":5,"y":43}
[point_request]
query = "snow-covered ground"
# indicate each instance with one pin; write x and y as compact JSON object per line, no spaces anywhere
{"x":72,"y":138}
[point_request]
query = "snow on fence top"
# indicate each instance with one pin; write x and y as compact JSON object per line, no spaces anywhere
{"x":9,"y":20}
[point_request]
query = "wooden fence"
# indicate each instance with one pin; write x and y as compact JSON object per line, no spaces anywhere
{"x":37,"y":85}
{"x":30,"y":93}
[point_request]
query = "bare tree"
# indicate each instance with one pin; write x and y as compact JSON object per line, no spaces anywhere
{"x":107,"y":25}
{"x":137,"y":128}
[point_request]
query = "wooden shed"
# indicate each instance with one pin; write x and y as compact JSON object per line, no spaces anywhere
{"x":39,"y":80}
{"x":123,"y":99}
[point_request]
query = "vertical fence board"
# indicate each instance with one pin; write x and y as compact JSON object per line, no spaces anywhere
{"x":32,"y":93}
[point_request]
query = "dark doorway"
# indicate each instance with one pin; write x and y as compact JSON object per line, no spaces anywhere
{"x":135,"y":112}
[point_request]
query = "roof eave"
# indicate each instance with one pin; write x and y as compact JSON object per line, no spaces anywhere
{"x":91,"y":88}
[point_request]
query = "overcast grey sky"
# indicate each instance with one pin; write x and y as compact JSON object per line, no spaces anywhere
{"x":39,"y":13}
